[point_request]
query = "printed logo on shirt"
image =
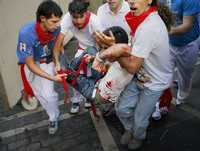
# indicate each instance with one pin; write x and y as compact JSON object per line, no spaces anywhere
{"x":22,"y":46}
{"x":142,"y":77}
{"x":46,"y":51}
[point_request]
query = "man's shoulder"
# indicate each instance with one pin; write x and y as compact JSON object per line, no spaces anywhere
{"x":28,"y":30}
{"x":103,"y":8}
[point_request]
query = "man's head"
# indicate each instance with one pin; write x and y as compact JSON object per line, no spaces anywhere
{"x":114,"y":5}
{"x":77,"y":10}
{"x":118,"y":33}
{"x":138,"y":7}
{"x":49,"y":15}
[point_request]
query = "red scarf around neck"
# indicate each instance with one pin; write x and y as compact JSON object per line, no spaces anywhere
{"x":87,"y":19}
{"x":135,"y":21}
{"x":44,"y":37}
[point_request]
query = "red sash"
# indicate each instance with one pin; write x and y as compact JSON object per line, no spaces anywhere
{"x":27,"y":88}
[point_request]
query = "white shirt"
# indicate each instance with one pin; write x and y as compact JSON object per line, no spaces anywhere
{"x":116,"y":76}
{"x":108,"y":19}
{"x":85,"y":35}
{"x":118,"y":79}
{"x":151,"y":42}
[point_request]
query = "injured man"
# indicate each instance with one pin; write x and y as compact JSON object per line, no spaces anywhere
{"x":95,"y":77}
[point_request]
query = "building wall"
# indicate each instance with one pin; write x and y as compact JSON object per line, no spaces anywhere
{"x":13,"y":14}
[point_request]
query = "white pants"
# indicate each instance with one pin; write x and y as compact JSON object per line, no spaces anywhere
{"x":184,"y":59}
{"x":43,"y":90}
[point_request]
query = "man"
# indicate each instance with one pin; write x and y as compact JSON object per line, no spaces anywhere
{"x":150,"y":64}
{"x":82,"y":23}
{"x":34,"y":51}
{"x":113,"y":13}
{"x":184,"y":46}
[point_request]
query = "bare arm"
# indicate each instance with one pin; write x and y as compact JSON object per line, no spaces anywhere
{"x":132,"y":63}
{"x":38,"y":71}
{"x":184,"y":27}
{"x":121,"y":53}
{"x":58,"y":49}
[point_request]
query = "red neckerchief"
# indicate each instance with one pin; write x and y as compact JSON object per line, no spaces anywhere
{"x":43,"y":37}
{"x":87,"y":19}
{"x":135,"y":21}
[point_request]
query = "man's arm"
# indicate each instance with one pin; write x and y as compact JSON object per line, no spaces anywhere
{"x":184,"y":27}
{"x":58,"y":49}
{"x":29,"y":61}
{"x":122,"y":54}
{"x":132,"y":63}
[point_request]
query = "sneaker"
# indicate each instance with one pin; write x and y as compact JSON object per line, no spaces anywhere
{"x":179,"y":102}
{"x":53,"y":127}
{"x":126,"y":137}
{"x":156,"y":114}
{"x":164,"y":110}
{"x":87,"y":104}
{"x":75,"y":108}
{"x":134,"y":144}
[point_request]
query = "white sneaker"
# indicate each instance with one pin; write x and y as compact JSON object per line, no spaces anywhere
{"x":53,"y":127}
{"x":164,"y":110}
{"x":87,"y":104}
{"x":75,"y":108}
{"x":156,"y":114}
{"x":179,"y":102}
{"x":126,"y":137}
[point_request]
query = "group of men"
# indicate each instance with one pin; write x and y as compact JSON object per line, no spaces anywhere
{"x":40,"y":44}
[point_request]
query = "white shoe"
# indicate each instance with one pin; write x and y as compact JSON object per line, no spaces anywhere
{"x":179,"y":102}
{"x":126,"y":137}
{"x":87,"y":104}
{"x":53,"y":127}
{"x":156,"y":114}
{"x":30,"y":104}
{"x":75,"y":108}
{"x":164,"y":110}
{"x":135,"y":144}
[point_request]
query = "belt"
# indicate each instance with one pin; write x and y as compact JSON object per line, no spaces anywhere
{"x":45,"y":60}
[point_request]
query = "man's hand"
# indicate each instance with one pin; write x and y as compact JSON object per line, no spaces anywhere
{"x":116,"y":51}
{"x":103,"y":39}
{"x":58,"y":77}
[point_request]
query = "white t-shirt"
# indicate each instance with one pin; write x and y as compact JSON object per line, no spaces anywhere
{"x":108,"y":19}
{"x":151,"y":43}
{"x":85,"y":35}
{"x":114,"y":82}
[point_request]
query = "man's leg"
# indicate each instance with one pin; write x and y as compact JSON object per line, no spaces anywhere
{"x":185,"y":61}
{"x":44,"y":91}
{"x":125,"y":108}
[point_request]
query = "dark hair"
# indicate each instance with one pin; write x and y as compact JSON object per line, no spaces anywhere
{"x":164,"y":13}
{"x":48,"y":8}
{"x":118,"y":32}
{"x":78,"y":7}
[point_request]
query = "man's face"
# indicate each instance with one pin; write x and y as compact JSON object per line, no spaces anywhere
{"x":139,"y":6}
{"x":51,"y":24}
{"x":114,"y":4}
{"x":78,"y":20}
